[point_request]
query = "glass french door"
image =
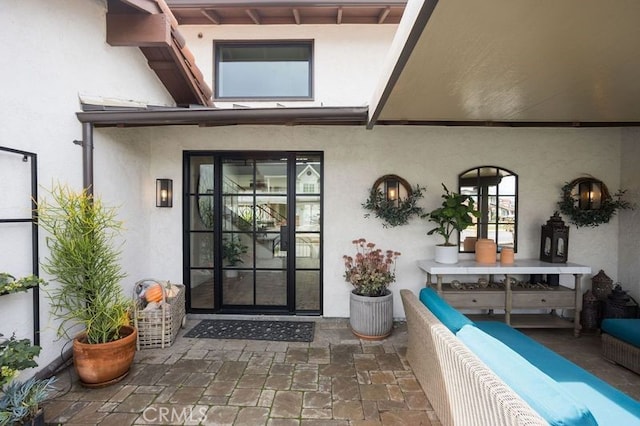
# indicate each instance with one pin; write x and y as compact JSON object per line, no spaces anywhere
{"x":253,"y":232}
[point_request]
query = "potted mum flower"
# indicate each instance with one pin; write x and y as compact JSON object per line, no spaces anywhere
{"x":370,"y":272}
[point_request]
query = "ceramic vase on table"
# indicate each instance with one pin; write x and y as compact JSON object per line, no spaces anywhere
{"x":486,"y":250}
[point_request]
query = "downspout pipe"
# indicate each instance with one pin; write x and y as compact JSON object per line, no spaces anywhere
{"x":87,"y":157}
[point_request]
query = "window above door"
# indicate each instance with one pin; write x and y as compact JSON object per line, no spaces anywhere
{"x":265,"y":70}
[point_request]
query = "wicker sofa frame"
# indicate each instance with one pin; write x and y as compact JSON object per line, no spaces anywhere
{"x":620,"y":352}
{"x":461,"y":388}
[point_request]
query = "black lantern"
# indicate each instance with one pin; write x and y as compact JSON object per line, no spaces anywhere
{"x":590,"y":194}
{"x":392,"y":190}
{"x":554,"y":241}
{"x":164,"y":193}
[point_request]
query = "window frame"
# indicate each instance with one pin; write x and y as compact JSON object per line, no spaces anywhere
{"x":274,"y":43}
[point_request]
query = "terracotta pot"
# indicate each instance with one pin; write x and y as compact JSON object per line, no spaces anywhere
{"x":486,"y":251}
{"x":469,"y":244}
{"x":102,"y":364}
{"x":507,"y":256}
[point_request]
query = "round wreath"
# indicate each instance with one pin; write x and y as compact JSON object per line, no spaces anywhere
{"x":581,"y":217}
{"x":394,"y":213}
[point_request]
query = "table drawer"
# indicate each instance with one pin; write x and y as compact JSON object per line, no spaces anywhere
{"x":543,"y":299}
{"x":470,"y":300}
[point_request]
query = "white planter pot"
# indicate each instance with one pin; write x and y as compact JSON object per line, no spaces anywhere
{"x":446,"y":254}
{"x":371,"y":317}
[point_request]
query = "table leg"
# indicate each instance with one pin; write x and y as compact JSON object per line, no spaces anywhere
{"x":507,"y":302}
{"x":439,"y":284}
{"x":576,"y":319}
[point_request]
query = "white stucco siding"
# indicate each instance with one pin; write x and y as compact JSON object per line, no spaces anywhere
{"x":354,"y":158}
{"x":629,"y":243}
{"x":347,"y":59}
{"x":53,"y":51}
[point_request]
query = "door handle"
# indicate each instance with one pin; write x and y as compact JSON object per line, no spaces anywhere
{"x":284,"y":238}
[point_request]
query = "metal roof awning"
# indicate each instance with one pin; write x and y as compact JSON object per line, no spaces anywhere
{"x":225,"y":117}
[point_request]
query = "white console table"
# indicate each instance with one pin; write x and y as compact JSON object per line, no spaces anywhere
{"x":509,"y":298}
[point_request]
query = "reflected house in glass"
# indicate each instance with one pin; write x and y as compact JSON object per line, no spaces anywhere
{"x":495,"y":191}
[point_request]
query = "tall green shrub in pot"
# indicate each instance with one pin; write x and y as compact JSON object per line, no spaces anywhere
{"x":84,"y":260}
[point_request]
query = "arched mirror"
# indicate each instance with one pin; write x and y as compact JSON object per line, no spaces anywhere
{"x":495,"y":191}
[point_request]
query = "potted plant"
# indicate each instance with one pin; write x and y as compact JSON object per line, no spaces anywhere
{"x":232,"y":251}
{"x":455,"y":214}
{"x":20,"y":401}
{"x":370,"y":272}
{"x":85,"y":263}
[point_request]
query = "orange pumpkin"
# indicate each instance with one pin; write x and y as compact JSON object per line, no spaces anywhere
{"x":153,"y":293}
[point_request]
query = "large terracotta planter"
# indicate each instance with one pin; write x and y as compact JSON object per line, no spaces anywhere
{"x":371,"y":318}
{"x":102,"y":364}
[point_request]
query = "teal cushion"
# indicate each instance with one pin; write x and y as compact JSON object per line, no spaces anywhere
{"x":608,"y":405}
{"x":542,"y":393}
{"x":625,"y":329}
{"x":449,"y":316}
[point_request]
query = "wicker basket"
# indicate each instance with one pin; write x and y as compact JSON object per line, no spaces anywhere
{"x":158,"y":328}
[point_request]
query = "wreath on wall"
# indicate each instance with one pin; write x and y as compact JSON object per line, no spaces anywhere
{"x":394,"y":212}
{"x":569,"y":205}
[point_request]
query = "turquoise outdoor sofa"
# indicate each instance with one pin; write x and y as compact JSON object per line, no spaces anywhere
{"x":621,"y":342}
{"x":487,"y":373}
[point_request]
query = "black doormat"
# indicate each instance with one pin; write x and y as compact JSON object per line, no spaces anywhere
{"x":277,"y":331}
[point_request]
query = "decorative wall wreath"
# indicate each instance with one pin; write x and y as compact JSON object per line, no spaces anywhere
{"x":569,"y":204}
{"x":393,"y":212}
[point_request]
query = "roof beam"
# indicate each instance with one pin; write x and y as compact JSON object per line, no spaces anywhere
{"x":138,"y":30}
{"x":339,"y":16}
{"x":296,"y":16}
{"x":147,"y":6}
{"x":383,"y":15}
{"x":212,"y":16}
{"x":253,"y":14}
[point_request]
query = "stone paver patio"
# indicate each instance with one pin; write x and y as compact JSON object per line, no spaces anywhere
{"x":335,"y":380}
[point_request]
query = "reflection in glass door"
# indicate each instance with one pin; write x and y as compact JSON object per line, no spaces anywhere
{"x":253,"y":232}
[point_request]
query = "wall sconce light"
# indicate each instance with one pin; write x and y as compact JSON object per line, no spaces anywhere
{"x":164,"y":193}
{"x":590,"y":194}
{"x":394,"y":188}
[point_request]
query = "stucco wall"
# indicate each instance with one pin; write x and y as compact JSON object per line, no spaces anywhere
{"x":544,"y":159}
{"x":347,"y":58}
{"x":53,"y":51}
{"x":629,"y":247}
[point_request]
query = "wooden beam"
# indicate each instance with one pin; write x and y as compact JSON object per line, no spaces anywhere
{"x":384,"y":14}
{"x":212,"y":16}
{"x":162,"y":65}
{"x":147,"y":6}
{"x":339,"y":16}
{"x":296,"y":16}
{"x":138,"y":30}
{"x":253,"y":14}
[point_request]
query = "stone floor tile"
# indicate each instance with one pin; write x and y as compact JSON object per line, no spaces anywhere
{"x":155,"y":389}
{"x":278,"y":382}
{"x":417,"y":401}
{"x":402,"y":418}
{"x":409,"y":384}
{"x":223,"y":388}
{"x":395,"y":393}
{"x":365,"y":423}
{"x":349,"y":410}
{"x":343,"y":388}
{"x":165,"y":394}
{"x":230,"y":370}
{"x":173,"y":377}
{"x":61,"y":413}
{"x":283,"y":422}
{"x":89,"y":414}
{"x":123,"y":393}
{"x":316,"y":400}
{"x":252,"y":416}
{"x":287,"y":404}
{"x":199,"y":379}
{"x":186,"y":395}
{"x":266,"y":398}
{"x":219,"y":416}
{"x":337,"y":369}
{"x":391,"y":405}
{"x":191,"y":365}
{"x":281,"y":369}
{"x":323,"y":422}
{"x":296,"y":355}
{"x":374,"y":392}
{"x":135,"y":403}
{"x":119,"y":419}
{"x":253,"y":381}
{"x":244,"y":397}
{"x":196,"y":354}
{"x":364,"y":378}
{"x":389,"y":361}
{"x":316,"y":413}
{"x":370,"y":410}
{"x":383,"y":377}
